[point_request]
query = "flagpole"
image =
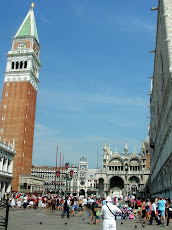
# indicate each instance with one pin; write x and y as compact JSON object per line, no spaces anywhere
{"x":56,"y":168}
{"x":60,"y":168}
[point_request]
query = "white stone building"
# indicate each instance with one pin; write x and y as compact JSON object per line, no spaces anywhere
{"x":124,"y":174}
{"x":47,"y":173}
{"x":121,"y":174}
{"x":161,"y":105}
{"x":31,"y":184}
{"x":81,"y":182}
{"x":7,"y":153}
{"x":86,"y":179}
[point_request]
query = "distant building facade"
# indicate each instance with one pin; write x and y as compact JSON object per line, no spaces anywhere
{"x":31,"y":184}
{"x":121,"y":174}
{"x":124,"y":174}
{"x":7,"y":153}
{"x":87,"y":183}
{"x":82,"y":181}
{"x":161,"y":105}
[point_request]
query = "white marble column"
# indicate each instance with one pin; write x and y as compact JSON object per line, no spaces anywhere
{"x":9,"y":187}
{"x":5,"y":165}
{"x":3,"y":188}
{"x":10,"y":168}
{"x":1,"y":163}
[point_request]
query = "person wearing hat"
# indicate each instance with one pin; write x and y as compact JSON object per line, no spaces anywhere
{"x":108,"y":214}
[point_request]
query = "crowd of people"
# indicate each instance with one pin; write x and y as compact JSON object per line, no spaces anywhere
{"x":159,"y":209}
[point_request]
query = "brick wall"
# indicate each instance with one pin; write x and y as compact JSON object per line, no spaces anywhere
{"x":19,"y":122}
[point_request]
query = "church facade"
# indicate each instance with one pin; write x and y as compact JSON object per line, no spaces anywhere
{"x":126,"y":173}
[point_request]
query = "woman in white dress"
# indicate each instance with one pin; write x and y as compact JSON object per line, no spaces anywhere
{"x":19,"y":200}
{"x":13,"y":203}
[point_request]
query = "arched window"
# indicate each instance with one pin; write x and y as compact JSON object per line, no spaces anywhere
{"x":17,"y":65}
{"x":25,"y":64}
{"x":12,"y":65}
{"x":133,"y":189}
{"x":21,"y":64}
{"x":126,"y":167}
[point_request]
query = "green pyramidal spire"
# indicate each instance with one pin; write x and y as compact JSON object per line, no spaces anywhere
{"x":28,"y":26}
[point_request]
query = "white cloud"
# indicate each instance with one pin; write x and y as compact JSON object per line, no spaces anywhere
{"x":44,"y":19}
{"x":81,"y":101}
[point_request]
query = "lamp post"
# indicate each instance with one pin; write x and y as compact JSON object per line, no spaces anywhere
{"x":58,"y":175}
{"x":68,"y":175}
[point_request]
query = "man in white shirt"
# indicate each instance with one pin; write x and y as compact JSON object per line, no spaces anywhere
{"x":153,"y":212}
{"x":108,"y":214}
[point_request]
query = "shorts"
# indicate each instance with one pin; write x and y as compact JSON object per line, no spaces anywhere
{"x":161,"y":212}
{"x":143,"y":213}
{"x":97,"y":217}
{"x":24,"y":205}
{"x":139,"y":209}
{"x":79,"y":209}
{"x":90,"y":212}
{"x":72,"y":208}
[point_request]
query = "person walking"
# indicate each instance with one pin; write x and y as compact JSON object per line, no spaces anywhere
{"x":66,"y":207}
{"x":72,"y":207}
{"x":53,"y":204}
{"x":161,"y":210}
{"x":108,"y":214}
{"x":169,"y":211}
{"x":153,"y":212}
{"x":13,"y":202}
{"x":90,"y":206}
{"x":80,"y":207}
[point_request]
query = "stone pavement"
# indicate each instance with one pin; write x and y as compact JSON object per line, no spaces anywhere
{"x":43,"y":220}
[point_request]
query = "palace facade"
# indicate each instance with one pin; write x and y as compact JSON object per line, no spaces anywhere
{"x":161,"y":105}
{"x":7,"y":153}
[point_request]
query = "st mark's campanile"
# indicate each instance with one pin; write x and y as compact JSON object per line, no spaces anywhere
{"x":18,"y":103}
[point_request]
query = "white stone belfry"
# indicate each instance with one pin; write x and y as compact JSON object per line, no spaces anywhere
{"x":23,"y":64}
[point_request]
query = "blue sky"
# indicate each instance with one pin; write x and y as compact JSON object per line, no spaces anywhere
{"x":94,"y":77}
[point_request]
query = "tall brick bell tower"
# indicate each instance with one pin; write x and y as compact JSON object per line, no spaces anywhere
{"x":18,"y":103}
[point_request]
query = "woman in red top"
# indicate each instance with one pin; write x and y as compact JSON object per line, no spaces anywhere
{"x":139,"y":205}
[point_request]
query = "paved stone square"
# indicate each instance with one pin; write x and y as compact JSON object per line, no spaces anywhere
{"x":43,"y":220}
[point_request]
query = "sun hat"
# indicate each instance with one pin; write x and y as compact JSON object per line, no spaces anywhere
{"x":108,"y":199}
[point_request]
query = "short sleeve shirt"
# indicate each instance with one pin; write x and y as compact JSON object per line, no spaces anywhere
{"x":105,"y":212}
{"x":161,"y":205}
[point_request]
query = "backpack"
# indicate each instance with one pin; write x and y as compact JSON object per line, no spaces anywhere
{"x":92,"y":206}
{"x":65,"y":204}
{"x":170,"y":208}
